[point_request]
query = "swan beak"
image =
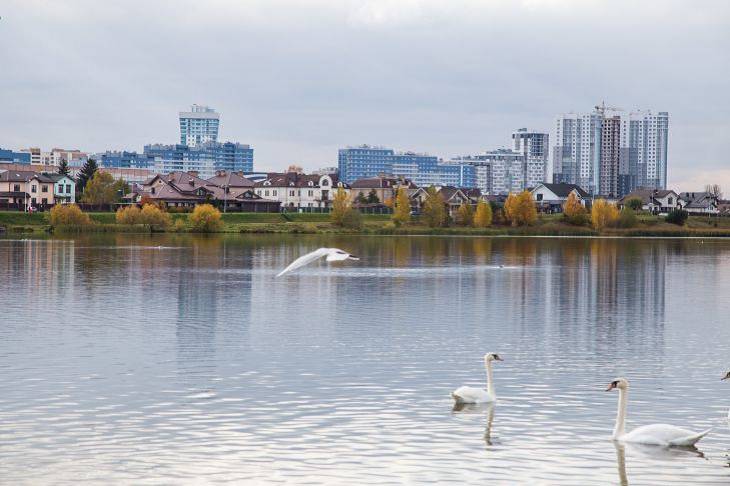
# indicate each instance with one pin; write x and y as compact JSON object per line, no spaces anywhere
{"x":353,"y":257}
{"x":498,"y":359}
{"x":725,"y":377}
{"x":610,"y":387}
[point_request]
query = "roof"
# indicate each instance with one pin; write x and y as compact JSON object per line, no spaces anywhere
{"x":382,"y":183}
{"x":14,"y":194}
{"x":230,"y":179}
{"x":563,"y":189}
{"x":289,"y":179}
{"x":23,"y":176}
{"x":647,"y":196}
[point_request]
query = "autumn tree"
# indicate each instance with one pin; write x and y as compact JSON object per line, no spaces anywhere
{"x":465,"y":214}
{"x":603,"y":214}
{"x":483,"y":215}
{"x":102,"y":189}
{"x":520,"y":209}
{"x":434,"y":208}
{"x":205,"y":219}
{"x":340,"y":206}
{"x":68,"y":215}
{"x":402,"y":209}
{"x":574,"y":211}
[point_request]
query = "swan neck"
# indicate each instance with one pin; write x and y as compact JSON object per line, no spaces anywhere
{"x":623,"y":397}
{"x":490,"y":382}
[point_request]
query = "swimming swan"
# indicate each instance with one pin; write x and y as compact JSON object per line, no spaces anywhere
{"x":470,"y":394}
{"x":655,"y":434}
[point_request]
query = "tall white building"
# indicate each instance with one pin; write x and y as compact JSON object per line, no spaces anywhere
{"x":199,"y":125}
{"x":611,"y":152}
{"x":534,"y":147}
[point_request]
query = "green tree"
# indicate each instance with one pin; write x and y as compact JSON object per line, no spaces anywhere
{"x":102,"y":189}
{"x":63,"y":168}
{"x":465,"y":214}
{"x":635,"y":203}
{"x":434,"y":208}
{"x":340,"y":207}
{"x":677,"y":216}
{"x":483,"y":215}
{"x":85,"y":175}
{"x":402,"y":210}
{"x":361,"y":199}
{"x":373,"y":197}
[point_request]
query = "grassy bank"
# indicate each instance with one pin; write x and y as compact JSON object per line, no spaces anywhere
{"x":310,"y":223}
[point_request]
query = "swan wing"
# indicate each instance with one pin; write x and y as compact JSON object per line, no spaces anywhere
{"x":336,"y":255}
{"x":470,"y":394}
{"x":304,"y":260}
{"x":663,"y":435}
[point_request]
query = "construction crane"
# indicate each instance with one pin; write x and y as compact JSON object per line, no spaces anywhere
{"x":602,"y":108}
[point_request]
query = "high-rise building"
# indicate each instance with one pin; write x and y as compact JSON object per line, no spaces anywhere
{"x":498,"y":171}
{"x":124,"y":160}
{"x":205,"y":158}
{"x":366,"y":161}
{"x":534,"y":147}
{"x":611,"y":154}
{"x":9,"y":157}
{"x":199,"y":125}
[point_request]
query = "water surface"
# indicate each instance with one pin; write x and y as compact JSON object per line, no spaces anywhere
{"x":178,"y":359}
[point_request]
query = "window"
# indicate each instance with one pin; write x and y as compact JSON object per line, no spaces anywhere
{"x":34,"y":188}
{"x":273,"y":193}
{"x":670,"y":200}
{"x":291,"y":193}
{"x":310,"y":193}
{"x":538,"y":197}
{"x":68,"y":188}
{"x":44,"y":201}
{"x":44,"y":188}
{"x":266,"y":193}
{"x":325,"y":182}
{"x":153,"y":190}
{"x":16,"y":187}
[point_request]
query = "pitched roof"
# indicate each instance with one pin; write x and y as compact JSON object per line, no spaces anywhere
{"x":230,"y":179}
{"x":23,"y":176}
{"x":563,"y":189}
{"x":289,"y":179}
{"x":382,"y":183}
{"x":647,"y":196}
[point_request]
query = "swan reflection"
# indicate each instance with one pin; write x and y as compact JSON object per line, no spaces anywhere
{"x":650,"y":452}
{"x":479,"y":409}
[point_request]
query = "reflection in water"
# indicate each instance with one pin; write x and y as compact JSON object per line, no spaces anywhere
{"x":136,"y":359}
{"x":621,"y":463}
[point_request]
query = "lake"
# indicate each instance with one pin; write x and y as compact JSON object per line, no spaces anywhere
{"x":182,"y":359}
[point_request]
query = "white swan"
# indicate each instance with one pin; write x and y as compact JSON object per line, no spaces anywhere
{"x":655,"y":434}
{"x":332,"y":254}
{"x":727,"y":376}
{"x":470,"y":394}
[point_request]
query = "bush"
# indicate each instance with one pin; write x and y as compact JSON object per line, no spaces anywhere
{"x":128,"y":215}
{"x":154,"y":216}
{"x":634,"y":203}
{"x":352,"y":219}
{"x":205,"y":219}
{"x":179,"y":225}
{"x":603,"y":214}
{"x":677,"y":216}
{"x":68,"y":215}
{"x":627,"y":218}
{"x":580,"y":219}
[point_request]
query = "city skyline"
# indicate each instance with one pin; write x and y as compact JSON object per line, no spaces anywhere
{"x":427,"y":92}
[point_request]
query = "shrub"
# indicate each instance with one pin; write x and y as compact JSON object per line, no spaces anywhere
{"x":677,"y":216}
{"x":580,"y":219}
{"x":154,"y":216}
{"x":465,"y":214}
{"x":627,"y":218}
{"x":205,"y":219}
{"x":603,"y":214}
{"x":128,"y":215}
{"x":483,"y":216}
{"x":634,"y":203}
{"x":352,"y":219}
{"x":68,"y":215}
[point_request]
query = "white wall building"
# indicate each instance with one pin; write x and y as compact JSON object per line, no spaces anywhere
{"x":294,"y":190}
{"x":198,"y":125}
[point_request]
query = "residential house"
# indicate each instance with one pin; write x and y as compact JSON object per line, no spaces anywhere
{"x":64,"y":188}
{"x":699,"y":203}
{"x":453,"y":197}
{"x":653,"y":200}
{"x":24,"y":189}
{"x":384,"y":187}
{"x":295,"y":190}
{"x":550,"y":198}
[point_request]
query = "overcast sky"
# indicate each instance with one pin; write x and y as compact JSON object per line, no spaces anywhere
{"x":299,"y":79}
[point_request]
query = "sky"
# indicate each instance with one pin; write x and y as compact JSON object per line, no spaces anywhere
{"x":299,"y":79}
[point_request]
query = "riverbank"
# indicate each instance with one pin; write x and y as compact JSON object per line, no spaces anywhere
{"x":310,"y":223}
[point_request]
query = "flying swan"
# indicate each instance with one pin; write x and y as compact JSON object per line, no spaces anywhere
{"x":332,"y":254}
{"x":656,"y":434}
{"x":470,"y":394}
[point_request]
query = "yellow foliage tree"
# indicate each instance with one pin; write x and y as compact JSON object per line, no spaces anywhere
{"x":402,"y":209}
{"x":465,"y":214}
{"x":434,"y":208}
{"x":205,"y":219}
{"x":520,"y":210}
{"x":573,"y":206}
{"x":483,"y":215}
{"x":68,"y":215}
{"x":154,"y":216}
{"x":603,"y":214}
{"x":340,"y":206}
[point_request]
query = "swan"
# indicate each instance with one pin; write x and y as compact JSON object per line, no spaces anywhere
{"x":332,"y":254}
{"x":727,"y":376}
{"x":470,"y":394}
{"x":656,"y":434}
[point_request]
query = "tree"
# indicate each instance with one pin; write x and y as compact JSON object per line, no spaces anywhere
{"x":574,"y":211}
{"x":373,"y":197}
{"x":715,"y":190}
{"x":205,"y":219}
{"x":634,"y":203}
{"x":340,"y":207}
{"x":677,"y":216}
{"x":85,"y":175}
{"x":483,"y":215}
{"x":627,"y":218}
{"x":520,"y":209}
{"x":102,"y":189}
{"x":465,"y":214}
{"x":603,"y":214}
{"x":361,"y":199}
{"x":68,"y":215}
{"x":434,"y":208}
{"x":63,"y":168}
{"x":402,"y":209}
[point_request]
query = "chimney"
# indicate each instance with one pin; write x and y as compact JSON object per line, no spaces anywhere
{"x":220,"y":173}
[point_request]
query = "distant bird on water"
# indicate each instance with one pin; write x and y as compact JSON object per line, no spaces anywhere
{"x":332,"y":254}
